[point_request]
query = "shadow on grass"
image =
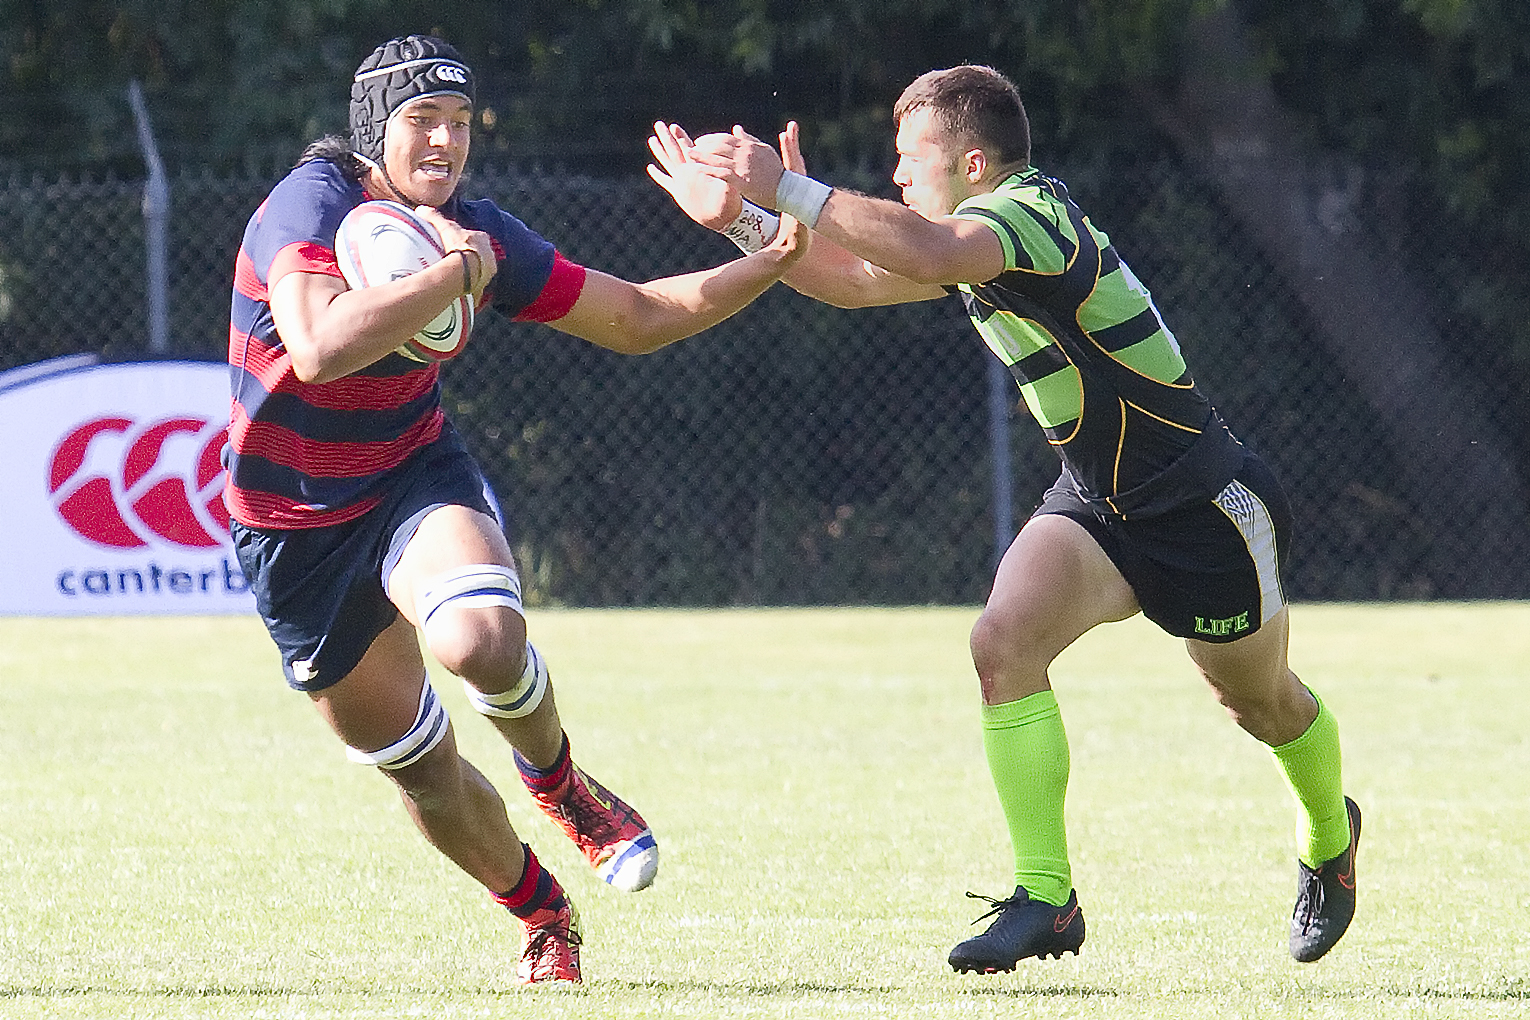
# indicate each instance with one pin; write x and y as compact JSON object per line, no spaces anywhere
{"x":767,"y":990}
{"x":780,"y":988}
{"x":1516,"y":991}
{"x":754,"y":990}
{"x":198,"y":992}
{"x":1045,"y":992}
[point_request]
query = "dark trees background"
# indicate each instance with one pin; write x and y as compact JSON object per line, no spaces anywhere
{"x":1328,"y":194}
{"x":1437,"y":89}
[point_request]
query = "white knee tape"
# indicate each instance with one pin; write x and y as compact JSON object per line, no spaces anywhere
{"x":472,"y":586}
{"x":429,"y":727}
{"x":520,"y":700}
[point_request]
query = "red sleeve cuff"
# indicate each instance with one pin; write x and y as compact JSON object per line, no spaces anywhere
{"x":563,"y":287}
{"x":302,"y":257}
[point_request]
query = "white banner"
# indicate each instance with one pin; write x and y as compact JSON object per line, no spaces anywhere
{"x":113,"y":490}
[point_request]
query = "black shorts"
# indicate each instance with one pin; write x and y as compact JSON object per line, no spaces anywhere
{"x":322,"y":591}
{"x":1208,"y":571}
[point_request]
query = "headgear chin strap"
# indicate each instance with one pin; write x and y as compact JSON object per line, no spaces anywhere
{"x":398,"y":71}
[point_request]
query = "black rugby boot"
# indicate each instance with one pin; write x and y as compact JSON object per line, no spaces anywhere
{"x":1325,"y":898}
{"x":1023,"y":928}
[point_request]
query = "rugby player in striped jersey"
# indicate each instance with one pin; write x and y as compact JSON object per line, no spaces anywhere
{"x":358,"y":515}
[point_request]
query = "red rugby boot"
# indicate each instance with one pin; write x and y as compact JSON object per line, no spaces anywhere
{"x":611,"y":835}
{"x":550,"y":946}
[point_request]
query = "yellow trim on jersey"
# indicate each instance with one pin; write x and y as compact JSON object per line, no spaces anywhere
{"x":1158,"y":417}
{"x":1115,"y":471}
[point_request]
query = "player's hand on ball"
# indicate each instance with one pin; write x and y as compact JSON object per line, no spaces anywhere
{"x":482,"y":265}
{"x":709,"y":200}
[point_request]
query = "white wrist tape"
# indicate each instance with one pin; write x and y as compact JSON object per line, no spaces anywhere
{"x":801,"y":197}
{"x":753,"y":228}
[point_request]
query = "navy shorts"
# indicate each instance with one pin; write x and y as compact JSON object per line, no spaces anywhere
{"x":321,"y":591}
{"x":1208,"y":571}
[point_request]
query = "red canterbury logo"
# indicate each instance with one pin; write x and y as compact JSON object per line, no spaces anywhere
{"x":124,"y":485}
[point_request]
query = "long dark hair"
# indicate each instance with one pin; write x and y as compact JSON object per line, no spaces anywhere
{"x":337,"y":150}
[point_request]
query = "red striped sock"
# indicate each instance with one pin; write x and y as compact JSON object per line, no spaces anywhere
{"x":549,"y":779}
{"x":536,"y":891}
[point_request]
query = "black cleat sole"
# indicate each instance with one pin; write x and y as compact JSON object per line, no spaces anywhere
{"x":1001,"y":968}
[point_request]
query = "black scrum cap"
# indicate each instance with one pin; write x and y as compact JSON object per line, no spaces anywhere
{"x":396,"y":72}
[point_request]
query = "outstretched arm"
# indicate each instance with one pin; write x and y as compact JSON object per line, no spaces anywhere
{"x":637,"y":318}
{"x":826,"y":272}
{"x":839,"y":276}
{"x":946,"y":250}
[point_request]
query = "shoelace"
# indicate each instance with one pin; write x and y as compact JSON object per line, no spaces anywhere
{"x":1309,"y":902}
{"x":540,"y":940}
{"x":997,"y":906}
{"x":587,"y":817}
{"x":589,"y":824}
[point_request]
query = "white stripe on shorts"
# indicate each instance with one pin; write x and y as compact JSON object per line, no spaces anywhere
{"x":1252,"y":519}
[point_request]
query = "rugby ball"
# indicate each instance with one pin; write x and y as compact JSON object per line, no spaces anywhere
{"x":379,"y":242}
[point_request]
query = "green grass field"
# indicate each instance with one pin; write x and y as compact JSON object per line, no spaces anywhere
{"x":180,"y":836}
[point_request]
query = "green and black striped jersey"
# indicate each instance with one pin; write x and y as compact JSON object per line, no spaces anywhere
{"x":1097,"y":366}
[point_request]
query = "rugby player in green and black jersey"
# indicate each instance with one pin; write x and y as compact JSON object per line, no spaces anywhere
{"x":1159,"y":509}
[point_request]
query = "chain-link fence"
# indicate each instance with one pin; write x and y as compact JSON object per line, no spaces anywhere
{"x":800,"y":454}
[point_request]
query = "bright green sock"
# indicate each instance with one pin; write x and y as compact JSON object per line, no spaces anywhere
{"x":1312,"y":767}
{"x":1028,"y":756}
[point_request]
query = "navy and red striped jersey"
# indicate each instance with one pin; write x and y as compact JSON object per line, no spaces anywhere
{"x":308,"y":455}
